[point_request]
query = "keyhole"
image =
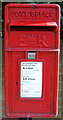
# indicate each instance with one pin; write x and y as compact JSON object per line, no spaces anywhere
{"x":16,"y":83}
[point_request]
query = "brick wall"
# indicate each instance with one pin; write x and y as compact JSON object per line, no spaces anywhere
{"x":2,"y":78}
{"x":0,"y":61}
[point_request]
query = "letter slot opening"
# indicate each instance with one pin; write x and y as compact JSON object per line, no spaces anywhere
{"x":33,"y":28}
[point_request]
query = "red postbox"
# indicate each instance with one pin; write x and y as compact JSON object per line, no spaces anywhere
{"x":31,"y":59}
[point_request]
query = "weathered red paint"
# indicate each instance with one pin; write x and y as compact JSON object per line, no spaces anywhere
{"x":32,"y":27}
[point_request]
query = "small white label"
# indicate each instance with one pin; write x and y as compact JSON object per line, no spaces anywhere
{"x":31,"y":79}
{"x":31,"y":55}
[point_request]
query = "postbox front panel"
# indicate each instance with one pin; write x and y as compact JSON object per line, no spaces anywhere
{"x":31,"y":60}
